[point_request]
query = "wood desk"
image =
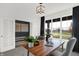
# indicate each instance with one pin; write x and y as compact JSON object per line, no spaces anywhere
{"x":42,"y":50}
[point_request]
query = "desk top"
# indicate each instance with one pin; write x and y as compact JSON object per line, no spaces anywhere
{"x":42,"y":50}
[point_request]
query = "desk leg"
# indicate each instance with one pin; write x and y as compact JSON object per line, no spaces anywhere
{"x":62,"y":47}
{"x":28,"y":53}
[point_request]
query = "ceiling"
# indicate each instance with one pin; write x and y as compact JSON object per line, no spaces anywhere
{"x":28,"y":9}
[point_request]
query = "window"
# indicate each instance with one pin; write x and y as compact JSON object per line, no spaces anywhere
{"x":56,"y":29}
{"x":66,"y":29}
{"x":61,"y":28}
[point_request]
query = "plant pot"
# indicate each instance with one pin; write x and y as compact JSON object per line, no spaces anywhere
{"x":30,"y":45}
{"x":36,"y":43}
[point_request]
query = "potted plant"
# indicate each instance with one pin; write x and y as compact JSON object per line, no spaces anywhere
{"x":30,"y":41}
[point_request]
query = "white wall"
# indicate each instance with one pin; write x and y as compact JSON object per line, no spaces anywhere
{"x":8,"y":34}
{"x":1,"y":30}
{"x":36,"y":27}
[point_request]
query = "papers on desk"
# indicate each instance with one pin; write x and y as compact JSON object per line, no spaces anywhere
{"x":53,"y":42}
{"x":49,"y":45}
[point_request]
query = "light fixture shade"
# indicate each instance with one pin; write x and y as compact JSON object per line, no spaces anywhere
{"x":40,"y":9}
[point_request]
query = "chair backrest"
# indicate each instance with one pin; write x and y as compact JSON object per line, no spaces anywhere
{"x":69,"y":47}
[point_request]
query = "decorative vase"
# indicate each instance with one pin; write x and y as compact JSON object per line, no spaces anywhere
{"x":36,"y":43}
{"x":47,"y":38}
{"x":30,"y":45}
